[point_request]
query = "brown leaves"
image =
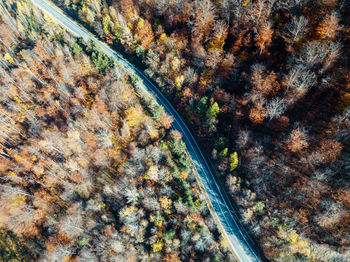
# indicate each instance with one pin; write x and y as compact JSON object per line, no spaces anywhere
{"x":166,"y":120}
{"x":331,"y":150}
{"x":263,"y":81}
{"x":143,"y":33}
{"x":297,"y":141}
{"x":329,"y":27}
{"x":264,"y":37}
{"x":257,"y":113}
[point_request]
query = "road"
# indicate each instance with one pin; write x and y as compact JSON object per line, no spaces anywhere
{"x":222,"y":209}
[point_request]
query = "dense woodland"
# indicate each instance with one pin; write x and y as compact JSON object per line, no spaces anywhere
{"x":88,"y":171}
{"x":266,"y":85}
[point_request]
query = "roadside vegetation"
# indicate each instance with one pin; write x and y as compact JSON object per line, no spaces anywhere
{"x":90,"y":169}
{"x":265,"y":86}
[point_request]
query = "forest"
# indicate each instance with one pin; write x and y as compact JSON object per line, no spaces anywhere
{"x":89,"y":171}
{"x":265,"y":85}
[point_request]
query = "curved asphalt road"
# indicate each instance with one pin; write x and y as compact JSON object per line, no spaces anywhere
{"x":240,"y":241}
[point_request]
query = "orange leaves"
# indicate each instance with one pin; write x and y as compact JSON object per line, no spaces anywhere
{"x":143,"y":33}
{"x":257,"y":113}
{"x":329,"y":27}
{"x":166,"y":120}
{"x":344,"y":100}
{"x":134,"y":116}
{"x":297,"y":141}
{"x":331,"y":150}
{"x":264,"y":82}
{"x":264,"y":37}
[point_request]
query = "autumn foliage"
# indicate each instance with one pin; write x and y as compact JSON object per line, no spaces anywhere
{"x":89,"y":171}
{"x":268,"y":80}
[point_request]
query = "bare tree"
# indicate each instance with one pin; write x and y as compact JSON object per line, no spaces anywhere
{"x":72,"y":225}
{"x":131,"y":195}
{"x":298,"y":76}
{"x":243,"y":138}
{"x":295,"y":30}
{"x":333,"y":54}
{"x":204,"y":11}
{"x":275,"y":108}
{"x":298,"y":82}
{"x":329,"y":27}
{"x":313,"y":53}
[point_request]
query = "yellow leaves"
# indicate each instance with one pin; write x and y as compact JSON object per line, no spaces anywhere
{"x":175,"y":64}
{"x":17,"y":158}
{"x":9,"y":59}
{"x":165,"y":202}
{"x":206,"y":75}
{"x":233,"y":161}
{"x":20,"y":6}
{"x":293,"y":237}
{"x":179,"y":81}
{"x":12,"y":174}
{"x":48,"y":19}
{"x":322,"y":32}
{"x":158,"y":246}
{"x":163,"y":37}
{"x":18,"y":200}
{"x":140,"y":23}
{"x":128,"y":211}
{"x":245,"y":2}
{"x":344,"y":100}
{"x":133,"y":116}
{"x":205,"y":80}
{"x":296,"y":240}
{"x":16,"y":98}
{"x":197,"y":203}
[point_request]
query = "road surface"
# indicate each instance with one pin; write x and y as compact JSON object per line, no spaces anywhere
{"x":240,"y":242}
